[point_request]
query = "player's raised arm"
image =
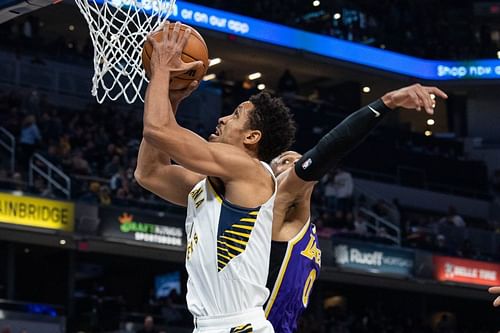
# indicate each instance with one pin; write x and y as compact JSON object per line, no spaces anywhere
{"x":155,"y":171}
{"x":354,"y":129}
{"x":344,"y":137}
{"x":162,"y":131}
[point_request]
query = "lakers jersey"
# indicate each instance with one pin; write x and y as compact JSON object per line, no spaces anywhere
{"x":227,"y":256}
{"x":295,"y":265}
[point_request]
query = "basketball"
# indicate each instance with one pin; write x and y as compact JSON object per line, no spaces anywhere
{"x":195,"y":49}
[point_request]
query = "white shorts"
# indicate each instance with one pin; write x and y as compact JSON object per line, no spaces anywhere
{"x":250,"y":321}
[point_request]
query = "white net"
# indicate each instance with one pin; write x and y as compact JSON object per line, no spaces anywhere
{"x":118,"y":29}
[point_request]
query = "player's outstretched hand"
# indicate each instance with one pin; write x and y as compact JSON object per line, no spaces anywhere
{"x":414,"y":97}
{"x":168,"y":51}
{"x":495,"y":291}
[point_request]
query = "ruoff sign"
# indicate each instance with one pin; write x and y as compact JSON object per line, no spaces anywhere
{"x":371,"y":258}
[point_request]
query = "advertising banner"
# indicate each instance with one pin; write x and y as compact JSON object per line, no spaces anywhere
{"x":466,"y":271}
{"x":141,"y":227}
{"x":37,"y":212}
{"x":373,"y":258}
{"x":357,"y":53}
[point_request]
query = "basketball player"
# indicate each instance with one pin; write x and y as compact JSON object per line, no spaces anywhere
{"x":229,"y":192}
{"x":295,"y":255}
{"x":495,"y":291}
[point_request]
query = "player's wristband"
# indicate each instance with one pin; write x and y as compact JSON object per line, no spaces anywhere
{"x":339,"y":141}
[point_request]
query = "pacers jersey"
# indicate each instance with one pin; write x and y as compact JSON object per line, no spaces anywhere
{"x":227,"y":256}
{"x":295,"y":265}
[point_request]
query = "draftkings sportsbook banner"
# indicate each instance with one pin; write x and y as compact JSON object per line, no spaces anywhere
{"x":140,"y":227}
{"x":37,"y":212}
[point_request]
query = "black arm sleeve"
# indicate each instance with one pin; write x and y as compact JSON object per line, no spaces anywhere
{"x":339,"y":141}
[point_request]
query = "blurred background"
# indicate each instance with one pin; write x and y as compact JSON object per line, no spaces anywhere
{"x":409,"y":223}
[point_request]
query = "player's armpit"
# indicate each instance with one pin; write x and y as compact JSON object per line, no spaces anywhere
{"x":196,"y":154}
{"x":292,"y":192}
{"x":170,"y":182}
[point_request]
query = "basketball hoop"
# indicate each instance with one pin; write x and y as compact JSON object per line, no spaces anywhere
{"x":118,"y":29}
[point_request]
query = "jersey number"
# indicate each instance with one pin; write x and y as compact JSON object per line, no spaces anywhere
{"x":308,"y":287}
{"x":190,"y":246}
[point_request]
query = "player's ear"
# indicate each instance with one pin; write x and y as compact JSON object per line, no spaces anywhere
{"x":252,"y":137}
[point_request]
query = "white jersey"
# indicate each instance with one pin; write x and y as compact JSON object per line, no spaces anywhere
{"x":228,"y":251}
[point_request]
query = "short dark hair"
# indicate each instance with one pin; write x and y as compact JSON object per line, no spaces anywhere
{"x":273,"y":118}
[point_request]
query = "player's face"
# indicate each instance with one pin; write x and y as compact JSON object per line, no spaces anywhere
{"x":233,"y":128}
{"x":284,"y":162}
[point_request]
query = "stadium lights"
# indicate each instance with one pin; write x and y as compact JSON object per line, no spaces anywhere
{"x":316,"y":3}
{"x":366,"y":89}
{"x":209,"y":77}
{"x":254,"y":76}
{"x":430,"y":122}
{"x":428,"y":133}
{"x":261,"y":86}
{"x":337,"y":16}
{"x":214,"y":61}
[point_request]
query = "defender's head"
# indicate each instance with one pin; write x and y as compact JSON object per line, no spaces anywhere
{"x":284,"y":162}
{"x":263,"y":125}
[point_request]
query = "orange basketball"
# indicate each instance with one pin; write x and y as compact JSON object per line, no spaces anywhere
{"x":195,"y":50}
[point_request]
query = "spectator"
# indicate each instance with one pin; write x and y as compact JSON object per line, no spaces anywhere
{"x":452,"y":218}
{"x":30,"y":138}
{"x":104,"y":196}
{"x":51,"y":126}
{"x":330,"y":193}
{"x":360,"y":224}
{"x":112,"y":167}
{"x":381,"y":209}
{"x":169,"y":309}
{"x":442,"y":246}
{"x":53,"y":156}
{"x":92,"y":194}
{"x":41,"y":189}
{"x":287,"y":83}
{"x":18,"y":183}
{"x":400,"y":218}
{"x":148,"y":326}
{"x":79,"y":164}
{"x":344,"y":187}
{"x":382,"y":233}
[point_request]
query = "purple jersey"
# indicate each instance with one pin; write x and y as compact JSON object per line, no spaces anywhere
{"x":294,"y":267}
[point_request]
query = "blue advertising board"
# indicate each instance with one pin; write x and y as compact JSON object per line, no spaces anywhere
{"x":166,"y":283}
{"x":371,"y":258}
{"x":323,"y":45}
